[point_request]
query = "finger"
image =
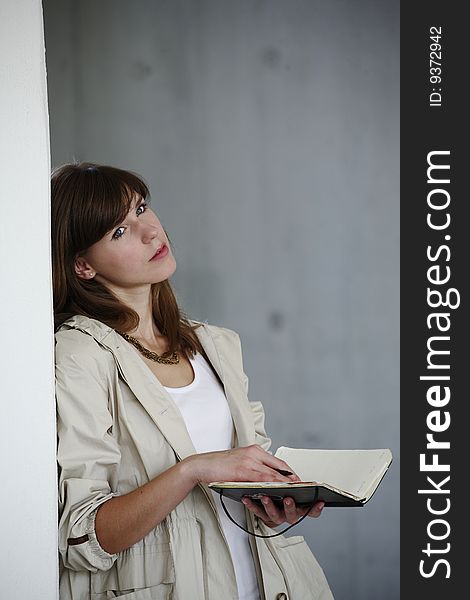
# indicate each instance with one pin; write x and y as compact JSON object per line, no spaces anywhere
{"x":274,"y":475}
{"x":265,"y":473}
{"x":290,"y":475}
{"x":316,"y":511}
{"x":280,"y":465}
{"x":286,"y":475}
{"x":290,"y":510}
{"x":254,"y":507}
{"x":269,"y":459}
{"x":258,"y":510}
{"x":274,"y":514}
{"x":269,"y":473}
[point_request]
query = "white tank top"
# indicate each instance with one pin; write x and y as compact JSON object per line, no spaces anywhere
{"x":206,"y":414}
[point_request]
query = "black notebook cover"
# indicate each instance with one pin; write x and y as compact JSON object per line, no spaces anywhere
{"x":304,"y":495}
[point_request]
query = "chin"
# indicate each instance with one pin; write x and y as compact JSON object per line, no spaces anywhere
{"x":168,"y":271}
{"x":173,"y":265}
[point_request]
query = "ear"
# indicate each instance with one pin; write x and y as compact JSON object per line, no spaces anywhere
{"x":83,"y":269}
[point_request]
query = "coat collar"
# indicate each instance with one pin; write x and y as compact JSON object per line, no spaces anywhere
{"x":154,"y":397}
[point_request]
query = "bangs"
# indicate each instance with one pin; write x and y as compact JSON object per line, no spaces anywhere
{"x":102,"y":197}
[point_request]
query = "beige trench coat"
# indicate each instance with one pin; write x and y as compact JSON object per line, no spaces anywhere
{"x":117,"y":429}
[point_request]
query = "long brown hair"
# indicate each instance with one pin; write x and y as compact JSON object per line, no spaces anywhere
{"x":88,"y":200}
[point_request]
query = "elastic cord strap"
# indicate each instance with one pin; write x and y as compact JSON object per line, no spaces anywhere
{"x":315,"y":500}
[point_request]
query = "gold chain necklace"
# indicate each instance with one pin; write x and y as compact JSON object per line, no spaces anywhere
{"x":171,"y":360}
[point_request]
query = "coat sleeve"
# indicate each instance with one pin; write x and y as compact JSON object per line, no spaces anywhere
{"x":88,"y":454}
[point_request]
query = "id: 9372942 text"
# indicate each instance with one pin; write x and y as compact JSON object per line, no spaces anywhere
{"x":435,"y":66}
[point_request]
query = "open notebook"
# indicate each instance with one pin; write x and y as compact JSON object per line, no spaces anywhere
{"x":336,"y":477}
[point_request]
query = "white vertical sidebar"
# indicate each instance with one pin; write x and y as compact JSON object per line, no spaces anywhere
{"x":28,"y":505}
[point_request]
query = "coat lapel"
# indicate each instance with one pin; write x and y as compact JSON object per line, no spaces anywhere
{"x":157,"y":401}
{"x":152,"y":395}
{"x":217,"y":352}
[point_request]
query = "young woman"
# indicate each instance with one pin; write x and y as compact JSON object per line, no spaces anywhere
{"x":152,"y":407}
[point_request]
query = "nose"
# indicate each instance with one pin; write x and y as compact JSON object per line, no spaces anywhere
{"x":149,"y":233}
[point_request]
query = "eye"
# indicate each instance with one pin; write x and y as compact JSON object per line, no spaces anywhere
{"x":118,"y":233}
{"x":138,"y":211}
{"x":141,"y":208}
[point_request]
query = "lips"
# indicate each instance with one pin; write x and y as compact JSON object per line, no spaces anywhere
{"x":161,"y":251}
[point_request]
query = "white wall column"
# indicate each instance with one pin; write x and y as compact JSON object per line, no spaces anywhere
{"x":28,"y":506}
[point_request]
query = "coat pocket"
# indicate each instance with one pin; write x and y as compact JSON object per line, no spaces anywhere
{"x":139,"y":573}
{"x":163,"y":591}
{"x":303,"y":576}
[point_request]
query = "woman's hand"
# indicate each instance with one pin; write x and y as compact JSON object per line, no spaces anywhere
{"x":250,"y":463}
{"x":272,"y":516}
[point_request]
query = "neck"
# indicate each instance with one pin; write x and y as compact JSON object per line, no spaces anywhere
{"x":140,"y":300}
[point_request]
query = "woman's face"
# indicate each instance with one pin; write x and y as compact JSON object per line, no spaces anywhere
{"x":132,"y":255}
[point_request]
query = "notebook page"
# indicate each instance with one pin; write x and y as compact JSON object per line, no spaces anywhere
{"x":354,"y":471}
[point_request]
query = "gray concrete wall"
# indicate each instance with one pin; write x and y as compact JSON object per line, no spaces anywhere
{"x":269,"y":133}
